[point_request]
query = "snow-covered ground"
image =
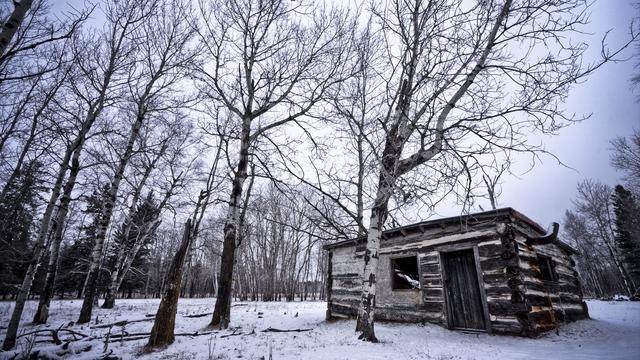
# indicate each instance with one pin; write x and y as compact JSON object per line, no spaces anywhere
{"x":612,"y":333}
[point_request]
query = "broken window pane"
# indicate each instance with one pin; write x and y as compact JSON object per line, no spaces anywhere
{"x":547,"y":268}
{"x":405,"y":273}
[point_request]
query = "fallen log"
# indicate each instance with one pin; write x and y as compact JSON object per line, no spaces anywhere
{"x":55,"y":334}
{"x":270,"y":329}
{"x":234,"y":333}
{"x":121,"y":323}
{"x":198,"y":315}
{"x":141,"y":336}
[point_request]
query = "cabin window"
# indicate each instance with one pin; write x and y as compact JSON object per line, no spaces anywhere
{"x":547,"y":268}
{"x":405,"y":273}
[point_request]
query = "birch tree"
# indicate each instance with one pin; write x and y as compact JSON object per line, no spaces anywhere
{"x":11,"y":25}
{"x":467,"y":78}
{"x":27,"y":28}
{"x":161,"y":37}
{"x":179,"y":167}
{"x":39,"y":248}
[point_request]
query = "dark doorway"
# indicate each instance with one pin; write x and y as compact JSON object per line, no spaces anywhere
{"x":464,"y":304}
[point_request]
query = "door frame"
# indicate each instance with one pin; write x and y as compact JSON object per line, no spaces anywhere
{"x":483,"y":295}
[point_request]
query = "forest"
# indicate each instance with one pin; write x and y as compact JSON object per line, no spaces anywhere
{"x":172,"y":149}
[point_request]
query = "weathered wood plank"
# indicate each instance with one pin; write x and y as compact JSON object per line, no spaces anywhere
{"x":504,"y":307}
{"x":430,"y":269}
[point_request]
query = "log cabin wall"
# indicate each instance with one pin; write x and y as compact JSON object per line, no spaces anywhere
{"x":550,"y":302}
{"x":516,"y":299}
{"x":346,"y":284}
{"x":426,"y":304}
{"x":504,"y":290}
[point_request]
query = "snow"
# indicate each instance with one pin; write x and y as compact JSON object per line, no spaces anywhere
{"x":612,"y":333}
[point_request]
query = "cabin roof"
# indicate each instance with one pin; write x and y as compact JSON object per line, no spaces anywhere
{"x":494,"y":215}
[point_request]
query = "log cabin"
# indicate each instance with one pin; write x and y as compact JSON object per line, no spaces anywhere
{"x":495,"y":271}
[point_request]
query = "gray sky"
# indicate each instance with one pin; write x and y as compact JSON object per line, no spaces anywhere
{"x":546,"y":192}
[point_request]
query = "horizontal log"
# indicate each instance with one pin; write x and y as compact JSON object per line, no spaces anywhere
{"x":503,"y":307}
{"x":433,"y":306}
{"x":494,"y":263}
{"x":121,"y":323}
{"x":494,"y":278}
{"x":431,"y":281}
{"x":488,"y":250}
{"x":507,"y":325}
{"x":343,"y":309}
{"x":430,"y":258}
{"x":450,"y":242}
{"x":344,"y":292}
{"x":543,"y":317}
{"x":346,"y":276}
{"x":270,"y":329}
{"x":538,"y":300}
{"x":433,"y":269}
{"x":404,"y":315}
{"x":432,"y":292}
{"x":497,"y":290}
{"x":347,"y":283}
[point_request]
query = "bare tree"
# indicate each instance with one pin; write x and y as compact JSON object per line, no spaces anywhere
{"x":352,"y":111}
{"x":162,"y":331}
{"x":456,"y":84}
{"x":162,"y":41}
{"x":179,"y":167}
{"x":591,"y":225}
{"x":165,"y":57}
{"x":270,"y":62}
{"x":491,"y":177}
{"x":40,"y":245}
{"x":626,"y":158}
{"x":27,"y":36}
{"x":165,"y":321}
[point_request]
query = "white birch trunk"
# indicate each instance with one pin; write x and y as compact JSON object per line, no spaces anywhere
{"x":42,"y":314}
{"x":103,"y":224}
{"x":39,"y":248}
{"x":12,"y":24}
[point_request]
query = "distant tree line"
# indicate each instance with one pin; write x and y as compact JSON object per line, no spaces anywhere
{"x":604,"y":224}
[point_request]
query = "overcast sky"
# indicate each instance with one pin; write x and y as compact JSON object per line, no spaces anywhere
{"x":545,"y":193}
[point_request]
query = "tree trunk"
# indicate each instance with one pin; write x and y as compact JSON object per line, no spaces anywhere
{"x":626,"y":280}
{"x":105,"y":219}
{"x":221,"y":311}
{"x":12,"y":24}
{"x":392,"y":167}
{"x":365,"y":321}
{"x":165,"y":321}
{"x":120,"y":269}
{"x":38,"y":251}
{"x":42,"y":314}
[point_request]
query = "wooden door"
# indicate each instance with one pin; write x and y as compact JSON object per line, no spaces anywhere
{"x":464,"y":304}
